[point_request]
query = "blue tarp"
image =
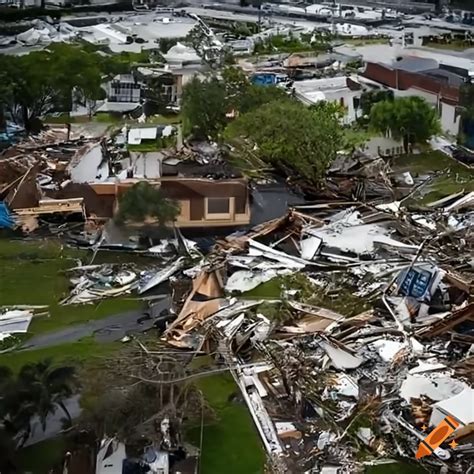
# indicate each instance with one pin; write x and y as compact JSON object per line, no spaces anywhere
{"x":267,"y":79}
{"x":6,"y":219}
{"x":11,"y":133}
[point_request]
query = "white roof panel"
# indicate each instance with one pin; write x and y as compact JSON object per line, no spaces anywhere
{"x":136,"y":135}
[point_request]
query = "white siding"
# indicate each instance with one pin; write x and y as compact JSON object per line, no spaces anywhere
{"x":449,"y":120}
{"x":383,"y":146}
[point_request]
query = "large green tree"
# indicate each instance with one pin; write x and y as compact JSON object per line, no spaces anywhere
{"x":296,"y":139}
{"x":209,"y":104}
{"x":372,"y":97}
{"x":34,"y":84}
{"x":204,"y":109}
{"x":466,"y":106}
{"x":410,"y":119}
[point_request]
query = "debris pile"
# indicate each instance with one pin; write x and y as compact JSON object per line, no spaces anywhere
{"x":15,"y":321}
{"x":93,"y":282}
{"x":35,"y":176}
{"x":362,"y":344}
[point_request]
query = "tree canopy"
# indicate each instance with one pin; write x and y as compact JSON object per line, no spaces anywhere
{"x":410,"y":119}
{"x":206,"y":103}
{"x":36,"y":391}
{"x":143,"y":201}
{"x":34,"y":84}
{"x":293,"y":138}
{"x":466,"y":100}
{"x":369,"y":98}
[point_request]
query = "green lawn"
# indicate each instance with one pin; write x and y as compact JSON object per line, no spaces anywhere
{"x":105,"y":117}
{"x":364,"y":41}
{"x":270,"y":289}
{"x":453,"y":46}
{"x":164,"y":119}
{"x":40,"y":457}
{"x":32,"y":273}
{"x":456,"y":177}
{"x":62,"y":354}
{"x":231,"y":444}
{"x":396,"y":468}
{"x":344,"y":302}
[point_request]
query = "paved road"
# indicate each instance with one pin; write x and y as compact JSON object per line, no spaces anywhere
{"x":111,"y":328}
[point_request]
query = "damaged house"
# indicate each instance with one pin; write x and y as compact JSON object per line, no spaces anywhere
{"x":85,"y":178}
{"x":28,"y":173}
{"x":203,"y":202}
{"x":209,"y":192}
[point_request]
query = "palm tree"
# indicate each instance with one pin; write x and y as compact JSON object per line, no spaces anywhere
{"x":48,"y":387}
{"x":16,"y":411}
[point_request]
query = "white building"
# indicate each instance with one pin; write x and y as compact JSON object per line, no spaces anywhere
{"x":179,"y":56}
{"x":124,"y":88}
{"x":332,"y":89}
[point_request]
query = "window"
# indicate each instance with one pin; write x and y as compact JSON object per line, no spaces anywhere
{"x":218,"y":208}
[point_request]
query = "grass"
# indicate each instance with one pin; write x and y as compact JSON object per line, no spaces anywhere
{"x":32,"y":273}
{"x":356,"y":137}
{"x":164,"y":119}
{"x":270,"y":289}
{"x":62,"y":354}
{"x":364,"y":41}
{"x":153,"y":145}
{"x":456,"y":178}
{"x":395,"y":468}
{"x":231,"y":444}
{"x":105,"y":117}
{"x":453,"y":46}
{"x":39,"y":458}
{"x":345,"y":302}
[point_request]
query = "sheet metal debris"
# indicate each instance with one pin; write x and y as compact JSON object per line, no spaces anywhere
{"x":347,"y":324}
{"x":322,"y":377}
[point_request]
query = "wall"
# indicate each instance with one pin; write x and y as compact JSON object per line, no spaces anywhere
{"x":336,"y":89}
{"x":450,"y":120}
{"x":191,"y":196}
{"x":402,"y":80}
{"x":380,"y":145}
{"x":405,"y":84}
{"x":347,"y":96}
{"x":193,"y":214}
{"x":428,"y":96}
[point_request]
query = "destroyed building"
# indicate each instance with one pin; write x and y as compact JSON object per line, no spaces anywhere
{"x":377,"y":371}
{"x":85,"y":178}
